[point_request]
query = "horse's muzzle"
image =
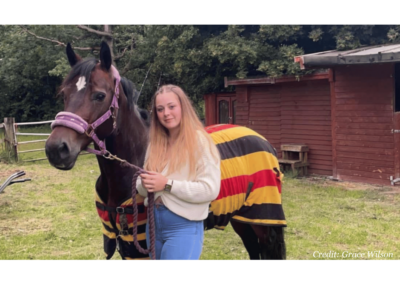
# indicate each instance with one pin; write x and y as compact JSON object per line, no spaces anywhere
{"x":60,"y":154}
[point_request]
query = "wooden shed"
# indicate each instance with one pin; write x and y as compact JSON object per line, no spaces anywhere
{"x":349,"y":116}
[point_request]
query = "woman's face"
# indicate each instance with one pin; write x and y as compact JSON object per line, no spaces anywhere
{"x":168,"y":108}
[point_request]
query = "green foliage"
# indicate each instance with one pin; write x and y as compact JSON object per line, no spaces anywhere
{"x":353,"y":36}
{"x":394,"y":34}
{"x":31,"y":69}
{"x":61,"y":69}
{"x":196,"y":57}
{"x":282,"y":64}
{"x":316,"y":34}
{"x":273,"y":33}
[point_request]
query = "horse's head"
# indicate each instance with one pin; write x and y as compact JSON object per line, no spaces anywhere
{"x":88,"y":91}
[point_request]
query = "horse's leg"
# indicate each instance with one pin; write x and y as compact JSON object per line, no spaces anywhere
{"x":248,"y":237}
{"x":272,"y":242}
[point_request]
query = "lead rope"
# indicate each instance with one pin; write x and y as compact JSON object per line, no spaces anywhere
{"x":150,"y":208}
{"x":150,"y":214}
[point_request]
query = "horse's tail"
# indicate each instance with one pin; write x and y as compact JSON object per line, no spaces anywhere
{"x":276,"y":247}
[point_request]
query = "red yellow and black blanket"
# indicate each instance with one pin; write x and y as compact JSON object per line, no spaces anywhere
{"x":250,"y":179}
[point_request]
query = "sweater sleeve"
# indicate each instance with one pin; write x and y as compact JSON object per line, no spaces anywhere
{"x":206,"y":186}
{"x":142,"y":191}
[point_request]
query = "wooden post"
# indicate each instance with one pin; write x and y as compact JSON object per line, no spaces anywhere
{"x":333,"y":121}
{"x":9,"y":136}
{"x":2,"y":142}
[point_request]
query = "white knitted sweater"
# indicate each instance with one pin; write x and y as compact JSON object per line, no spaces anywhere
{"x":190,"y":197}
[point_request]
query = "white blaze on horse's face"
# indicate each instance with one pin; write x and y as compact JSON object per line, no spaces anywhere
{"x":81,"y":83}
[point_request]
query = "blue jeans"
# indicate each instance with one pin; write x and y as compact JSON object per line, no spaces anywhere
{"x":176,"y":237}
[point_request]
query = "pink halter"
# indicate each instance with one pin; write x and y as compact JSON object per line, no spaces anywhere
{"x":77,"y":123}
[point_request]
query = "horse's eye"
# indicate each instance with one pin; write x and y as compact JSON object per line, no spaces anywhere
{"x":99,"y":97}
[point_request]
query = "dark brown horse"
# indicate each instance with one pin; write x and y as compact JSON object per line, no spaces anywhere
{"x":89,"y":92}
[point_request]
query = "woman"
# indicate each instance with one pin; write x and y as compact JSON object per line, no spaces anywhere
{"x":183,"y":170}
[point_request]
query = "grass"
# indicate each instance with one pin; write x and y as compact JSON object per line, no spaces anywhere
{"x":54,"y":217}
{"x":327,"y":216}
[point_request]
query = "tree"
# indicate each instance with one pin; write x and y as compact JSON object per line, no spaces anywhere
{"x":196,"y":57}
{"x":26,"y":85}
{"x":32,"y":67}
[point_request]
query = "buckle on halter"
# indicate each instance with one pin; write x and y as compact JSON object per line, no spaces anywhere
{"x":113,"y":111}
{"x":90,"y":131}
{"x":124,"y":232}
{"x":120,"y":210}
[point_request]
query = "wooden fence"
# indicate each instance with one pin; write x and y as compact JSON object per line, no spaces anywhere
{"x":2,"y":137}
{"x":11,"y":141}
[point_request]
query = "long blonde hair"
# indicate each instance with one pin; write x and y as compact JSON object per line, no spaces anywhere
{"x":185,"y":149}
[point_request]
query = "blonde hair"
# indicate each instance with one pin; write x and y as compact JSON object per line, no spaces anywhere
{"x":184,"y":150}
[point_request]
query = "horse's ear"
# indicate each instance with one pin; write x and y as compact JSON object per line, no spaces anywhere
{"x":105,"y":56}
{"x":72,"y":57}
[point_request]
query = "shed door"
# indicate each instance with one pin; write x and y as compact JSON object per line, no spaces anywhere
{"x":226,"y":110}
{"x":396,"y":134}
{"x":396,"y":121}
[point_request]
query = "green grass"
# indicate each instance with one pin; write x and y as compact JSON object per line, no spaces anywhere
{"x":54,"y":217}
{"x":327,"y":216}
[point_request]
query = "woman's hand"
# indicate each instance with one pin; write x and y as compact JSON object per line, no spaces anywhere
{"x":153,"y":181}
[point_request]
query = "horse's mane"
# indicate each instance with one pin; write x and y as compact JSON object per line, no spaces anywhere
{"x":130,"y":91}
{"x":132,"y":96}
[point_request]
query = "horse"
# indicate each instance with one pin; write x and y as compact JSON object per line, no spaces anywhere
{"x":93,"y":112}
{"x":88,"y":91}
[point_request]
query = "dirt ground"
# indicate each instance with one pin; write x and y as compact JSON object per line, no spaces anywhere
{"x":7,"y":173}
{"x":348,"y":185}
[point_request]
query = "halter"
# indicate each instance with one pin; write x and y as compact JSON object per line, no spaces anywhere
{"x":77,"y":123}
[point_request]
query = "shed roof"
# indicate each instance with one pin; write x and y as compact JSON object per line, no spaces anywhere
{"x":363,"y":55}
{"x":322,"y":74}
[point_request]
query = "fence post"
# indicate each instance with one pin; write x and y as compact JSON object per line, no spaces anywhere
{"x":9,"y":136}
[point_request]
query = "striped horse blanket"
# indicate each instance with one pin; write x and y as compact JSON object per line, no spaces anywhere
{"x":117,"y":233}
{"x":250,"y":179}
